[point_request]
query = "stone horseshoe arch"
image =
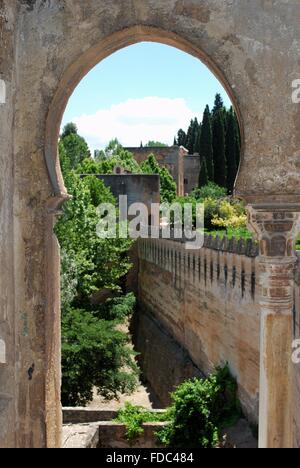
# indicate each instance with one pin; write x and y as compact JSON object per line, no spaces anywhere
{"x":46,"y":47}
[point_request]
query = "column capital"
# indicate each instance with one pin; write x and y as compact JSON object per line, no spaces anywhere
{"x":276,"y":228}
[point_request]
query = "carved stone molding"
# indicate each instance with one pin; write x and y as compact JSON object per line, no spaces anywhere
{"x":276,"y":228}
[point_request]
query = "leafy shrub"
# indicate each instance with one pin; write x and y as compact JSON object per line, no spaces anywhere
{"x":211,"y":211}
{"x":211,"y":190}
{"x":191,"y":424}
{"x":118,"y":308}
{"x":105,"y":163}
{"x":237,"y":233}
{"x":134,"y":417}
{"x":200,"y":408}
{"x":230,"y":215}
{"x":182,"y":201}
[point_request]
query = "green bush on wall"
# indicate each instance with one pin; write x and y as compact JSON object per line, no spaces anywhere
{"x":199,"y":410}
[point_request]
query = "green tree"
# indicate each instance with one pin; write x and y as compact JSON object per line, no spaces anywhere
{"x":181,"y":138}
{"x":211,"y":190}
{"x":206,"y":144}
{"x":95,"y":353}
{"x":167,"y":184}
{"x":69,"y":129}
{"x":99,"y":155}
{"x":101,"y":263}
{"x":218,"y":105}
{"x":76,"y":150}
{"x":197,"y":139}
{"x":106,"y":161}
{"x":203,"y":178}
{"x":155,"y":144}
{"x":65,"y":161}
{"x":113,"y":147}
{"x":192,"y":135}
{"x":220,"y":168}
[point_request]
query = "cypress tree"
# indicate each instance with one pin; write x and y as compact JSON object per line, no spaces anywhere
{"x":197,"y":139}
{"x":181,"y":138}
{"x":220,"y":170}
{"x":203,"y":179}
{"x":231,"y":148}
{"x":192,"y":135}
{"x":219,"y":104}
{"x":205,"y":144}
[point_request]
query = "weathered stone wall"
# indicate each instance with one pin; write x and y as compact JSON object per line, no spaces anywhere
{"x":8,"y":382}
{"x":206,"y":300}
{"x":113,"y":435}
{"x":139,"y":188}
{"x":168,"y":158}
{"x":191,"y":172}
{"x":85,"y":428}
{"x":155,"y":344}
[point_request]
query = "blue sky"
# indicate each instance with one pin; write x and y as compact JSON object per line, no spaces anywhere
{"x":143,"y":92}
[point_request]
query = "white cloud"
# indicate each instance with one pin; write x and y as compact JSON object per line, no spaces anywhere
{"x":135,"y":120}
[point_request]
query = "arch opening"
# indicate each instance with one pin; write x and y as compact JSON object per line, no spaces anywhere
{"x":86,"y":62}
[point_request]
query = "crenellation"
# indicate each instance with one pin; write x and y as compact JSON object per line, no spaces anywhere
{"x":211,"y":267}
{"x":243,"y":283}
{"x":234,"y":277}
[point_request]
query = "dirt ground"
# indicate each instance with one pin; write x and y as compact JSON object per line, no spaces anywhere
{"x":143,"y":396}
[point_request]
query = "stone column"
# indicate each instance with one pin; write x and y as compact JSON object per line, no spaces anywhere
{"x":53,"y":410}
{"x":276,"y":228}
